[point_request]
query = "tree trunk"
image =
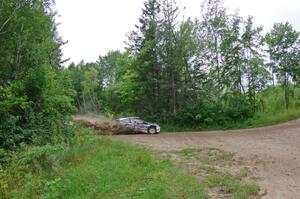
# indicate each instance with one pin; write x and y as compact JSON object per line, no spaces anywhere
{"x":218,"y":75}
{"x":173,"y":91}
{"x":286,"y":91}
{"x":273,"y":79}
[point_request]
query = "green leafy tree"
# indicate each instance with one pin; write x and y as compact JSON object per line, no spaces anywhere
{"x":230,"y":48}
{"x":36,"y":100}
{"x":283,"y":49}
{"x":211,"y":30}
{"x":90,"y":92}
{"x":256,"y":74}
{"x":108,"y":68}
{"x":191,"y":76}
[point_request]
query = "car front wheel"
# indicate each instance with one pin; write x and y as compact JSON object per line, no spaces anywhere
{"x":152,"y":130}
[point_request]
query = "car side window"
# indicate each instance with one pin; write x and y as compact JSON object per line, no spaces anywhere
{"x":138,"y":121}
{"x":125,"y":121}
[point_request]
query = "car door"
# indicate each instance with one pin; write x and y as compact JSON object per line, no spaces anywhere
{"x":135,"y":125}
{"x":130,"y":124}
{"x":139,"y":125}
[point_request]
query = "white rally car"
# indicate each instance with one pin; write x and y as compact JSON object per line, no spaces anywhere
{"x":138,"y":125}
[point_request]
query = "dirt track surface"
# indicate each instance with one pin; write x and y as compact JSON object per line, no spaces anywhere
{"x":272,"y":153}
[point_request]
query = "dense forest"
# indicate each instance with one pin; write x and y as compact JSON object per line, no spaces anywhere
{"x":208,"y":71}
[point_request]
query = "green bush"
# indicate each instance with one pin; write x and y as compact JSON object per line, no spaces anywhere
{"x":234,"y":108}
{"x":35,"y":109}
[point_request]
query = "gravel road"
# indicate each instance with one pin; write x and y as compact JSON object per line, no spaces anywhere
{"x":272,"y":153}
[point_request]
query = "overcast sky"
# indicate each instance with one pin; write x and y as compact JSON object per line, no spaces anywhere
{"x":93,"y":27}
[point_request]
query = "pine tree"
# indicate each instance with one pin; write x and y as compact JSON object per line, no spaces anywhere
{"x":144,"y":46}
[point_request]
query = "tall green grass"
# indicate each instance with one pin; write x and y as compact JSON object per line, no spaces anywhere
{"x":95,"y":168}
{"x":272,"y":108}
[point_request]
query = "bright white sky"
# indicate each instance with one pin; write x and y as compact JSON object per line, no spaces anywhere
{"x":93,"y":27}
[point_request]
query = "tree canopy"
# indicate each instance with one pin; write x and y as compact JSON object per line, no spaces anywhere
{"x":206,"y":71}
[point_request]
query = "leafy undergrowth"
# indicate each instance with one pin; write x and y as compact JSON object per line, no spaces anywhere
{"x":271,"y":110}
{"x":260,"y":120}
{"x":218,"y":172}
{"x":94,"y":168}
{"x":264,"y":119}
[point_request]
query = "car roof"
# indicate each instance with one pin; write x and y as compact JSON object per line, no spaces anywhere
{"x":125,"y":118}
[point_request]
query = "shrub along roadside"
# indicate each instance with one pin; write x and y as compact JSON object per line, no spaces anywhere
{"x":92,"y":167}
{"x":260,"y":120}
{"x":271,"y":112}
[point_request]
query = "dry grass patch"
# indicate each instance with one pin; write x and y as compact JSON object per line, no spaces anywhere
{"x":218,"y":171}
